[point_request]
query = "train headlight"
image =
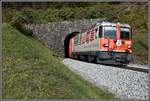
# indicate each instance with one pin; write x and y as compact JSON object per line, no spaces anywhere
{"x":119,"y":42}
{"x":106,"y":45}
{"x":129,"y":46}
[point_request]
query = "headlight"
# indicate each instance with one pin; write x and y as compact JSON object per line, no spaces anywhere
{"x":129,"y":46}
{"x":105,"y":45}
{"x":119,"y":43}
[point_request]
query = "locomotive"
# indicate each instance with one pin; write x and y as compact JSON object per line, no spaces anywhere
{"x":105,"y":43}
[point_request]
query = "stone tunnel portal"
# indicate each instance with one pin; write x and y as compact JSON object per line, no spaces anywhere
{"x":66,"y":43}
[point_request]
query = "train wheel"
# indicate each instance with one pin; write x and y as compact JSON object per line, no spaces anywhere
{"x":73,"y":56}
{"x":86,"y":58}
{"x":76,"y":56}
{"x":96,"y":59}
{"x":89,"y":59}
{"x":79,"y":57}
{"x":124,"y":65}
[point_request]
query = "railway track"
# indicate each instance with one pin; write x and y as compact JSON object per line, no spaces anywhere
{"x":135,"y":67}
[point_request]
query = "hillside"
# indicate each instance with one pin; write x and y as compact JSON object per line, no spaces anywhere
{"x":30,"y":70}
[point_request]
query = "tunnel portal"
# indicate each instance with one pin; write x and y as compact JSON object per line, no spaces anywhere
{"x":66,"y":43}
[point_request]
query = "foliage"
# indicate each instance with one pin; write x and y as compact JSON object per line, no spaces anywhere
{"x":66,"y":14}
{"x":25,"y":17}
{"x":51,"y":15}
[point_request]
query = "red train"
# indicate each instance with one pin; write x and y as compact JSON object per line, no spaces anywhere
{"x":106,"y":43}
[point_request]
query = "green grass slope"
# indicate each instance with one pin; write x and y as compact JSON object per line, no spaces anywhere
{"x":30,"y":70}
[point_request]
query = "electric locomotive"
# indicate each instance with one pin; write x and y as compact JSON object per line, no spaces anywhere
{"x":105,"y":42}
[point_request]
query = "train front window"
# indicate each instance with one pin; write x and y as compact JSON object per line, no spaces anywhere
{"x":125,"y":33}
{"x":100,"y":31}
{"x":110,"y":32}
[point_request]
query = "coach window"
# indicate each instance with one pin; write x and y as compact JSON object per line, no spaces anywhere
{"x":96,"y":34}
{"x":100,"y":31}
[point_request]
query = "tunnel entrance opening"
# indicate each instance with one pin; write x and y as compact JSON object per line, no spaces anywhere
{"x":66,"y":43}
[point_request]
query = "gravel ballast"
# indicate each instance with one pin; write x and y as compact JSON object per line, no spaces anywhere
{"x":125,"y":83}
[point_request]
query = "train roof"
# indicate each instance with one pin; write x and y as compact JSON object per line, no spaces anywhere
{"x":106,"y":23}
{"x":112,"y":24}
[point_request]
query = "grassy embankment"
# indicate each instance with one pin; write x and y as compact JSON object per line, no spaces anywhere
{"x":31,"y":71}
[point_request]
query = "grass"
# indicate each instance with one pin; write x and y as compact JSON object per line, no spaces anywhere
{"x":30,"y":70}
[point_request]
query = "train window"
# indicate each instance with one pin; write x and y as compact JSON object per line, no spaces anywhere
{"x":100,"y":31}
{"x":87,"y":37}
{"x":96,"y":30}
{"x":125,"y":33}
{"x":110,"y":32}
{"x":92,"y":35}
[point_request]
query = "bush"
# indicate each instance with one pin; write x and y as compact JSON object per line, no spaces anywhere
{"x":80,"y":13}
{"x":51,"y":15}
{"x":25,"y":17}
{"x":7,"y":14}
{"x":92,"y":13}
{"x":66,"y":13}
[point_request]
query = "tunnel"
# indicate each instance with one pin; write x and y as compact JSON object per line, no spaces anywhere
{"x":66,"y":43}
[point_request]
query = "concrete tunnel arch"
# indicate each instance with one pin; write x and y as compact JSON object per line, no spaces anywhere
{"x":66,"y":43}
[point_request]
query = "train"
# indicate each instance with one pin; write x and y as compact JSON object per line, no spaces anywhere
{"x":105,"y":43}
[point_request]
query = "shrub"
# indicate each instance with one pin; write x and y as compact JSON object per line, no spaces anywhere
{"x":66,"y":13}
{"x":92,"y":13}
{"x":25,"y":17}
{"x":51,"y":15}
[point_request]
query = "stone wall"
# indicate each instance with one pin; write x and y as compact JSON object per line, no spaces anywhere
{"x":53,"y":34}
